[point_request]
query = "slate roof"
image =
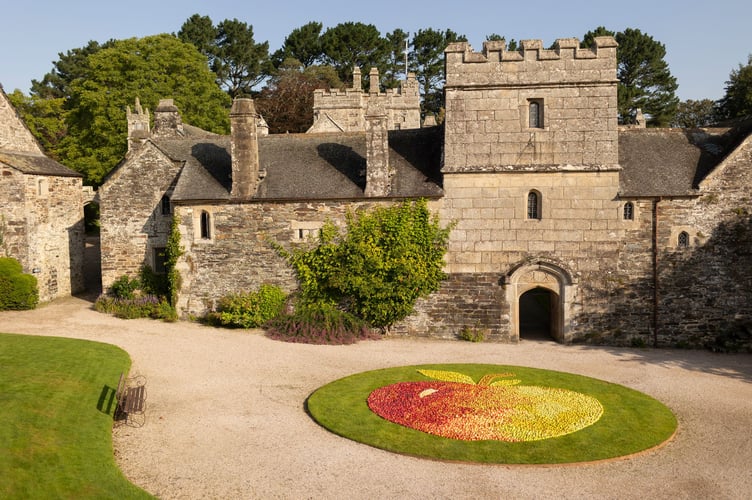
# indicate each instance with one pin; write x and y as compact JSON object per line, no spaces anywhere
{"x":669,"y":162}
{"x":34,"y":164}
{"x":308,"y":166}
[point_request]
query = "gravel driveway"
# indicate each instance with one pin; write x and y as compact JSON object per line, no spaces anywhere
{"x":226,"y":419}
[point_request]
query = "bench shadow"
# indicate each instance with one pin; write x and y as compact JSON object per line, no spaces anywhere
{"x":106,"y":403}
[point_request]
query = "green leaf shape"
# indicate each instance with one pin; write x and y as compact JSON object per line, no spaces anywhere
{"x":490,"y":379}
{"x":448,"y":376}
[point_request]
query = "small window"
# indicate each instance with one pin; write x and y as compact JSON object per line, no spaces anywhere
{"x":535,"y":110}
{"x":683,"y":241}
{"x":533,"y":205}
{"x":205,"y":225}
{"x":42,"y":188}
{"x":166,"y":205}
{"x":159,"y":261}
{"x":628,"y":211}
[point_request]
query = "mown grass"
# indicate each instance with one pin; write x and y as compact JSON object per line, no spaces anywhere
{"x":631,"y":421}
{"x":56,"y":406}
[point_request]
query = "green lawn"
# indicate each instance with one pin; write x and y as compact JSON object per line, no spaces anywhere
{"x":631,"y":421}
{"x":56,"y":406}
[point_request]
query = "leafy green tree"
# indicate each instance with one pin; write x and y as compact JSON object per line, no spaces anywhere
{"x":149,"y":68}
{"x":237,"y":60}
{"x":69,"y":66}
{"x":387,"y":259}
{"x":693,"y":114}
{"x":397,"y":46}
{"x":303,"y":44}
{"x":427,"y":57}
{"x":737,"y":102}
{"x":286,"y":102}
{"x":45,"y":118}
{"x":350,"y":44}
{"x":645,"y":81}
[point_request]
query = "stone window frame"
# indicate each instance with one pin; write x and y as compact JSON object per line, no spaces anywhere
{"x":534,"y":205}
{"x":682,"y":240}
{"x":158,"y":260}
{"x":628,"y":212}
{"x":165,"y":205}
{"x":203,"y":225}
{"x":43,"y":187}
{"x":689,"y":236}
{"x":536,"y":115}
{"x":304,"y":230}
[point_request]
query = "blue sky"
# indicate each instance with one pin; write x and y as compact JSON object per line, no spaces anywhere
{"x":704,"y":41}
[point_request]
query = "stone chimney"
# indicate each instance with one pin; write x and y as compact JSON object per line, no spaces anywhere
{"x":373,"y":81}
{"x":378,"y":171}
{"x":138,"y":124}
{"x":357,"y":81}
{"x":244,"y":148}
{"x":167,"y":121}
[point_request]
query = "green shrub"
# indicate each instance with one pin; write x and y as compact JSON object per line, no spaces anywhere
{"x":387,"y":259}
{"x":144,"y":306}
{"x":249,"y":310}
{"x":18,"y":291}
{"x":319,"y":323}
{"x":152,"y":283}
{"x":124,"y":287}
{"x":473,"y":334}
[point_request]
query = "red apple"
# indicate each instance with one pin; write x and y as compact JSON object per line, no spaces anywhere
{"x":491,"y":409}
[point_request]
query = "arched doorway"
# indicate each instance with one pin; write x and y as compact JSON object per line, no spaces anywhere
{"x":541,"y":296}
{"x":537,"y":314}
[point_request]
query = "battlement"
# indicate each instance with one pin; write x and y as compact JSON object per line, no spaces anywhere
{"x":344,"y":110}
{"x":565,"y":62}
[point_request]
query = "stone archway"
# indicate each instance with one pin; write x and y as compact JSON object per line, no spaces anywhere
{"x":548,"y":290}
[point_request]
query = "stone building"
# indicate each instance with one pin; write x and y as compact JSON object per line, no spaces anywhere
{"x":566,"y":225}
{"x":345,"y":110}
{"x":41,"y":210}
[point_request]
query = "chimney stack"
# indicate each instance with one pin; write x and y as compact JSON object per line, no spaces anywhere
{"x":138,"y":124}
{"x":378,"y":170}
{"x":244,"y":148}
{"x":167,"y":121}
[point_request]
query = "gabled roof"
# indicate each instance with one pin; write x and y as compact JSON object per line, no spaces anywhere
{"x":308,"y":166}
{"x":34,"y":164}
{"x":668,"y":162}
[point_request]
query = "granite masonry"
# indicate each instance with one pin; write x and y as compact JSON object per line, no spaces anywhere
{"x":566,"y":225}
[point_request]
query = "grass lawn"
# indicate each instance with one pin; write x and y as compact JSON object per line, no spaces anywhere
{"x":56,"y":406}
{"x":631,"y":421}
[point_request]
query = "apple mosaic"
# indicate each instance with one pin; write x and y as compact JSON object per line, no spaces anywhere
{"x":497,"y":408}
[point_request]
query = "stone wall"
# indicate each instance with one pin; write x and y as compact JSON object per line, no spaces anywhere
{"x":14,"y":136}
{"x":344,"y":110}
{"x":238,"y":256}
{"x":488,"y":99}
{"x":131,"y":215}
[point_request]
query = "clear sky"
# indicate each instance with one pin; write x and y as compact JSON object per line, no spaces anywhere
{"x":704,"y":40}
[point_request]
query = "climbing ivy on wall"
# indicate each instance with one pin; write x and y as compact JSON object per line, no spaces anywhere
{"x":385,"y":260}
{"x":173,"y":251}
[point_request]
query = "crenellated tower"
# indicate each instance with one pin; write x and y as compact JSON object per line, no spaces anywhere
{"x":531,"y":107}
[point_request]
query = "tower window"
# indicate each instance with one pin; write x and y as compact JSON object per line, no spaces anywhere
{"x":535,"y":111}
{"x":628,"y":211}
{"x":683,"y":241}
{"x":205,"y":225}
{"x":533,"y":205}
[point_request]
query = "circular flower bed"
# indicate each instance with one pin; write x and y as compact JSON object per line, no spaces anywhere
{"x":540,"y":416}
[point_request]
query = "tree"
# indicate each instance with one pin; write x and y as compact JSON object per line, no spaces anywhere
{"x":149,"y":68}
{"x":397,"y":46}
{"x":67,"y":68}
{"x":286,"y":103}
{"x":428,"y":59}
{"x":693,"y":114}
{"x":237,"y":60}
{"x":645,"y":81}
{"x":303,"y":44}
{"x":737,"y":102}
{"x":44,"y":117}
{"x":349,"y":44}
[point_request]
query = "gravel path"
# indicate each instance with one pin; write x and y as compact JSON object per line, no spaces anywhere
{"x":225,"y":416}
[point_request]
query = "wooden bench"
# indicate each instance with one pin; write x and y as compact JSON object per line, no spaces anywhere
{"x":131,"y":399}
